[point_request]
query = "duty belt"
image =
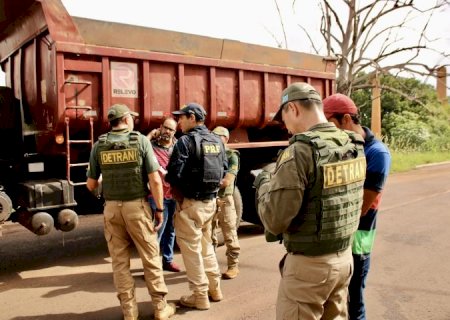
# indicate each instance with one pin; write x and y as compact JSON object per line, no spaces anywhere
{"x":202,"y":196}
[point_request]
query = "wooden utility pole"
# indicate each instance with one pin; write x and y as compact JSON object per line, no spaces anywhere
{"x":376,"y":107}
{"x":441,"y":85}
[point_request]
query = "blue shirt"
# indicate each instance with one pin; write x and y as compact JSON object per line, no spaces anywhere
{"x":378,"y":161}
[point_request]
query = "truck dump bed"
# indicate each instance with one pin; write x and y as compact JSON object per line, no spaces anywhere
{"x":71,"y":61}
{"x":65,"y":72}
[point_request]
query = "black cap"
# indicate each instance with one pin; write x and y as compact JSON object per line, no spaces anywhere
{"x":192,"y":108}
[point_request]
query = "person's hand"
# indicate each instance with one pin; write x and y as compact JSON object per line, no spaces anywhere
{"x":159,"y":219}
{"x":153,"y":134}
{"x":263,"y":177}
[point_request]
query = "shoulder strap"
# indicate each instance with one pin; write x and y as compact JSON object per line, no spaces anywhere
{"x":197,"y":143}
{"x":103,"y":138}
{"x":313,"y":139}
{"x":134,"y":138}
{"x":355,"y":137}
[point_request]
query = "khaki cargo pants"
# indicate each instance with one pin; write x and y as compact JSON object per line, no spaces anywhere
{"x":314,"y":288}
{"x":192,"y":222}
{"x":226,"y":218}
{"x":128,"y":222}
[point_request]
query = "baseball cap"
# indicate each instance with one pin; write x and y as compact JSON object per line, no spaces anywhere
{"x":118,"y":110}
{"x":221,"y":131}
{"x":192,"y":108}
{"x":297,"y":91}
{"x":338,"y":103}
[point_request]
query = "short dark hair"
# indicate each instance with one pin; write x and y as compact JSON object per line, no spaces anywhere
{"x":116,"y":122}
{"x":339,"y":116}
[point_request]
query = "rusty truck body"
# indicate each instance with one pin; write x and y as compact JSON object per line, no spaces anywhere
{"x":64,"y":72}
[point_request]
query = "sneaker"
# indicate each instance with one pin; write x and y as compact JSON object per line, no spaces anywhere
{"x":231,"y":273}
{"x":166,"y":312}
{"x":171,"y":266}
{"x":215,"y":295}
{"x":197,"y":300}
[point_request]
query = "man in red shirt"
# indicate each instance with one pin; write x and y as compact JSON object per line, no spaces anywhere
{"x":163,"y":140}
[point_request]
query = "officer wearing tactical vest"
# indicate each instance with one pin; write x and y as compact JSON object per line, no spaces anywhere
{"x":195,"y":171}
{"x":312,"y":199}
{"x":226,"y":211}
{"x":126,"y":162}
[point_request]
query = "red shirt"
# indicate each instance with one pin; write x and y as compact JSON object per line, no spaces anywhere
{"x":163,"y":156}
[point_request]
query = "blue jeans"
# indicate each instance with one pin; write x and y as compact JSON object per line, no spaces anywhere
{"x":166,"y":235}
{"x":356,"y":307}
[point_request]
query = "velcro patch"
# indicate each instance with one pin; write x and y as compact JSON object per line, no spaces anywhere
{"x":285,"y":156}
{"x":344,"y":172}
{"x":211,"y":148}
{"x":118,"y":156}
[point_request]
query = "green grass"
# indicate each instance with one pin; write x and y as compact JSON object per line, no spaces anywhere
{"x":405,"y":161}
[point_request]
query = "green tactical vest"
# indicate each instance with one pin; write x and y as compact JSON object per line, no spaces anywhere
{"x":332,"y":203}
{"x":121,"y":166}
{"x":230,"y":189}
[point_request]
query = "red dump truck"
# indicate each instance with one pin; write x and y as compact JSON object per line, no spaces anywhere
{"x":64,"y":72}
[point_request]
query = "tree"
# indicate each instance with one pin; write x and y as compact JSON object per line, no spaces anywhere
{"x":421,"y":124}
{"x":376,"y":37}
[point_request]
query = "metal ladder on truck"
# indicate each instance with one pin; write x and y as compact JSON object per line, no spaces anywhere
{"x":70,"y":142}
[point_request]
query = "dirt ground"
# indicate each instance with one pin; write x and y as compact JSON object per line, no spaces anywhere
{"x":68,"y":276}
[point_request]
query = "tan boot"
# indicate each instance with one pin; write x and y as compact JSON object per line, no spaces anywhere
{"x":215,"y":295}
{"x":198,"y":300}
{"x":130,"y":317}
{"x":231,"y":273}
{"x":164,"y":310}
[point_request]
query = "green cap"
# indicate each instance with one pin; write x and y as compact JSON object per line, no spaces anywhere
{"x":118,"y":111}
{"x":221,"y":131}
{"x":297,"y":91}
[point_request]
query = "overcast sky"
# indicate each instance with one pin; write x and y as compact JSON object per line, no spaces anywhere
{"x":254,"y":21}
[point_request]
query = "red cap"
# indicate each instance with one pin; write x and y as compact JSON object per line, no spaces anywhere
{"x":338,"y":104}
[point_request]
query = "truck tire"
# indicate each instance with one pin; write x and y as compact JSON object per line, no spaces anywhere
{"x":238,"y":206}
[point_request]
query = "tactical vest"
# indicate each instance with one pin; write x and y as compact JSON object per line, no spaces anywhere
{"x":332,"y":203}
{"x":230,"y":189}
{"x":202,"y":178}
{"x":121,"y":166}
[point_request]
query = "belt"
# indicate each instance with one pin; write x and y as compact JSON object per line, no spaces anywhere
{"x":202,"y":196}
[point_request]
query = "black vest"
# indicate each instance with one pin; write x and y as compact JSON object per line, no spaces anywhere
{"x":204,"y":171}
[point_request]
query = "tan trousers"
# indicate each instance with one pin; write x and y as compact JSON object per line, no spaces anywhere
{"x":313,"y":288}
{"x":226,"y":217}
{"x":193,"y":228}
{"x":128,"y":222}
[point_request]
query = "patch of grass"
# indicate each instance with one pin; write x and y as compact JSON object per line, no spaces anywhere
{"x":404,"y":161}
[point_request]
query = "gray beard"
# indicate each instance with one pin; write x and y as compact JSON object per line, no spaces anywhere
{"x":164,"y":137}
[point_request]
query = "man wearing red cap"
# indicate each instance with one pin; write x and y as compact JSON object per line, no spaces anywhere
{"x":342,"y":111}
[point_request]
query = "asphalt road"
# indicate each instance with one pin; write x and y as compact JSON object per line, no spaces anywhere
{"x":68,"y":276}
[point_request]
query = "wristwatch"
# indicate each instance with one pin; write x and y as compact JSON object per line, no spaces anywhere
{"x":159,"y":210}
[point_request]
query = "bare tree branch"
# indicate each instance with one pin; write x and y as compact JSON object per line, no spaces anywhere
{"x":282,"y":23}
{"x":310,"y":39}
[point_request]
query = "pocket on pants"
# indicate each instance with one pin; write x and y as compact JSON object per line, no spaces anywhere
{"x":304,"y":270}
{"x":108,"y":216}
{"x":184,"y":226}
{"x":312,"y":274}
